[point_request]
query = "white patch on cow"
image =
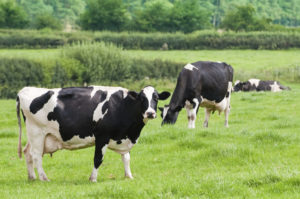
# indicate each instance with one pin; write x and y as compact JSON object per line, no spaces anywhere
{"x":230,"y":88}
{"x":94,"y":175}
{"x":148,"y":91}
{"x":126,"y":162}
{"x":98,"y":114}
{"x":77,"y":143}
{"x":190,"y":67}
{"x":212,"y":105}
{"x":122,"y":148}
{"x":237,"y":82}
{"x":275,"y":87}
{"x":165,"y":111}
{"x":254,"y":82}
{"x":191,"y":112}
{"x":219,"y":62}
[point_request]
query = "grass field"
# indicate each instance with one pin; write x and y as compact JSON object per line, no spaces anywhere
{"x":256,"y":157}
{"x":249,"y":60}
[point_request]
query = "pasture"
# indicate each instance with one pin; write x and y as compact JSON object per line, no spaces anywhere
{"x":256,"y":157}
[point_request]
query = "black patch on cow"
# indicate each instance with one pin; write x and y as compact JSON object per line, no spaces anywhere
{"x":154,"y":100}
{"x":119,"y":142}
{"x":24,"y":118}
{"x":39,"y":102}
{"x":264,"y":85}
{"x":104,"y":107}
{"x":227,"y":94}
{"x":74,"y":111}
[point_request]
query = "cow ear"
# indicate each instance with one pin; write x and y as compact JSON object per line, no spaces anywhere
{"x":133,"y":95}
{"x":161,"y":109}
{"x":163,"y":95}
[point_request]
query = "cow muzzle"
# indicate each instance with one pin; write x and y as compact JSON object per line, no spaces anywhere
{"x":150,"y":115}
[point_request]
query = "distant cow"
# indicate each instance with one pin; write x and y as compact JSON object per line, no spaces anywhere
{"x":204,"y":83}
{"x":259,"y":85}
{"x":79,"y":117}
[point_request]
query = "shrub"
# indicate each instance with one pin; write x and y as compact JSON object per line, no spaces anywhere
{"x":101,"y":61}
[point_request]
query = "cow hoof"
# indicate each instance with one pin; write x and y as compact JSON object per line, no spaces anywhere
{"x":129,"y":177}
{"x":31,"y":177}
{"x":93,"y":180}
{"x":43,"y":177}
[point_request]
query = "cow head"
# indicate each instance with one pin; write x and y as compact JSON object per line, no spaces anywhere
{"x":169,"y":116}
{"x":149,"y":98}
{"x":238,"y":86}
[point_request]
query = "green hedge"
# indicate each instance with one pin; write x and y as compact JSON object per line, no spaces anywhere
{"x":154,"y":41}
{"x":78,"y":65}
{"x":103,"y":64}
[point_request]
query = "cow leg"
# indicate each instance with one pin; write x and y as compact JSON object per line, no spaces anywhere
{"x":36,"y":139}
{"x":37,"y":156}
{"x":227,"y":111}
{"x":100,"y":150}
{"x":192,"y":109}
{"x":126,"y":161}
{"x":207,"y":115}
{"x":29,"y":162}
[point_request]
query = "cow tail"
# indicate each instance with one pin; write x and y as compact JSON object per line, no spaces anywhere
{"x":20,"y":128}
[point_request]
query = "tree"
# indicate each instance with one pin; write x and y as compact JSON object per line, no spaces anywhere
{"x":243,"y":19}
{"x":154,"y":16}
{"x":188,"y":16}
{"x":12,"y":16}
{"x":47,"y":21}
{"x":104,"y":15}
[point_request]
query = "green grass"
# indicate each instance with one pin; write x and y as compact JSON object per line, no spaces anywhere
{"x":250,"y":60}
{"x":256,"y":157}
{"x":239,"y":59}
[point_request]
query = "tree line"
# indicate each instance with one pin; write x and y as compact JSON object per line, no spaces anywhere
{"x":150,"y":15}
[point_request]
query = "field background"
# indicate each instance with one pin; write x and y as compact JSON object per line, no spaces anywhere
{"x":256,"y":157}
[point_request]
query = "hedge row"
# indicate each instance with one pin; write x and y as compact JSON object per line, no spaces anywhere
{"x":78,"y":65}
{"x":154,"y":41}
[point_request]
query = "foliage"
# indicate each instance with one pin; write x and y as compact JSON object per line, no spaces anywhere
{"x":47,"y":21}
{"x":104,"y":15}
{"x":168,"y":15}
{"x":135,"y":40}
{"x":188,"y":16}
{"x":154,"y":17}
{"x":101,"y":61}
{"x":12,"y":15}
{"x":243,"y":19}
{"x":66,"y":11}
{"x":16,"y":73}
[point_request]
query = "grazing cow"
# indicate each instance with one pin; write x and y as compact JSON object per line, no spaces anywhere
{"x":258,"y":85}
{"x":204,"y":83}
{"x":79,"y":117}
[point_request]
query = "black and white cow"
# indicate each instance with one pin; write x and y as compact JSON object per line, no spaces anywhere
{"x":79,"y":117}
{"x":203,"y":83}
{"x":259,"y":85}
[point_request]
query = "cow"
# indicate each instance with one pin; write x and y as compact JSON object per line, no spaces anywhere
{"x":203,"y":83}
{"x":259,"y":85}
{"x":79,"y":117}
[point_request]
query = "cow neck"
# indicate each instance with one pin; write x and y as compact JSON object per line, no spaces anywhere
{"x":134,"y":111}
{"x":178,"y":98}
